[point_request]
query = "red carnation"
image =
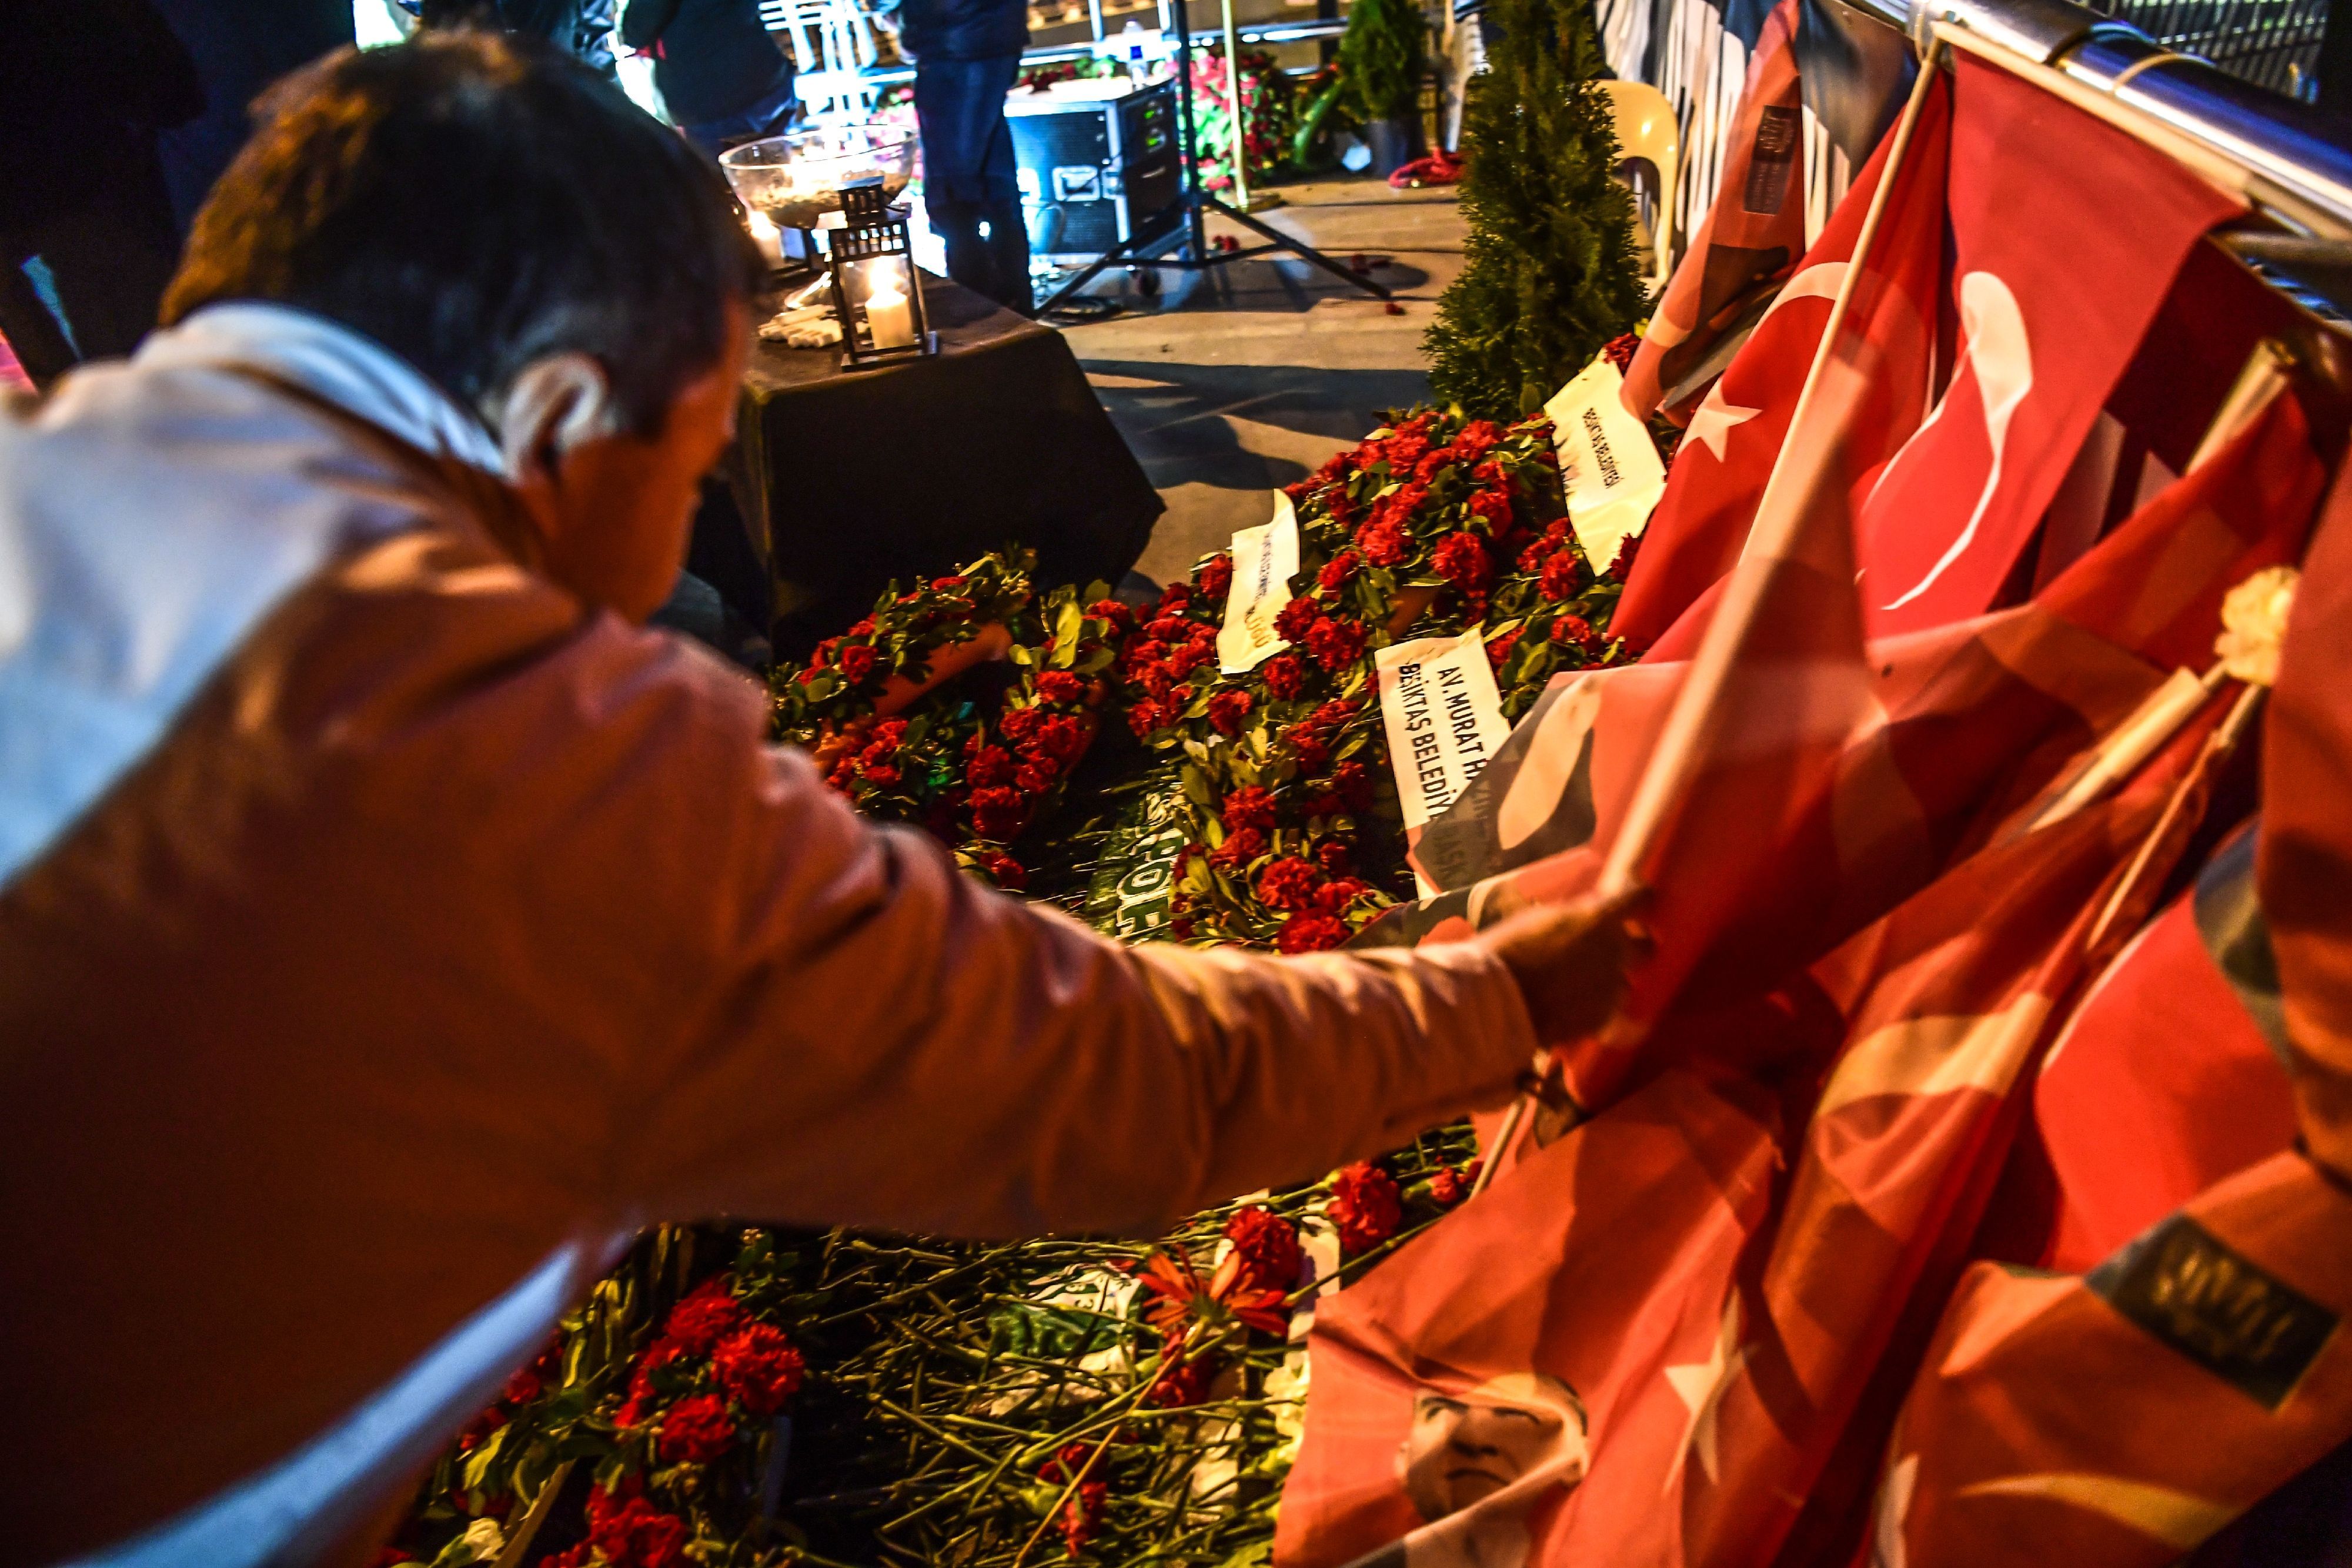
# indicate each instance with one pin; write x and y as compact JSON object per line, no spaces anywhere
{"x":1063,"y":738}
{"x":696,"y":1430}
{"x":1146,"y":717}
{"x":1365,"y":1206}
{"x":1286,"y":677}
{"x":1294,"y":619}
{"x":1035,"y":776}
{"x":1575,"y":632}
{"x":1252,"y":805}
{"x":1333,"y":856}
{"x":1622,"y":567}
{"x":988,"y":764}
{"x":1619,"y":350}
{"x":1289,"y":883}
{"x":1268,"y":1246}
{"x":1563,"y":575}
{"x":1335,"y":644}
{"x":1061,"y":686}
{"x":1310,"y":934}
{"x":1228,"y":710}
{"x":858,"y":661}
{"x":1383,"y":542}
{"x":1312,"y":747}
{"x":1019,"y":724}
{"x":881,"y":774}
{"x":1181,"y":1384}
{"x":1339,"y":569}
{"x":1216,"y":576}
{"x":1004,"y":871}
{"x":948,"y":584}
{"x":1119,"y":615}
{"x":998,"y":813}
{"x":1335,"y":896}
{"x":1462,"y":560}
{"x":1555,"y":534}
{"x":757,"y":1367}
{"x":1169,"y":628}
{"x":1238,"y":850}
{"x":705,"y":1316}
{"x":630,"y":1532}
{"x":1494,"y":507}
{"x":1354,"y":782}
{"x":1447,"y":1189}
{"x":1173,"y":599}
{"x":523,"y":1387}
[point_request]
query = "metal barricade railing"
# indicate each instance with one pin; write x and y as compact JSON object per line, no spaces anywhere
{"x":2272,"y":43}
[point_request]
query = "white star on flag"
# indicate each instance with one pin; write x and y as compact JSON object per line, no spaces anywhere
{"x":1700,"y":1385}
{"x":1716,"y":418}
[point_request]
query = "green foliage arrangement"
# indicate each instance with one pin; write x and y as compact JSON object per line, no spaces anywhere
{"x":1553,"y":272}
{"x":1382,"y":57}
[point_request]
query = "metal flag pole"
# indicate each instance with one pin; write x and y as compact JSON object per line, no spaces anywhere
{"x":1234,"y":101}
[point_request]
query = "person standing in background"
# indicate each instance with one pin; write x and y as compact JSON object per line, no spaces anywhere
{"x":720,"y":74}
{"x":580,"y":28}
{"x":967,"y":54}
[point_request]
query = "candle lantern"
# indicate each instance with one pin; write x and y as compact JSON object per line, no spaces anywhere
{"x":877,"y":292}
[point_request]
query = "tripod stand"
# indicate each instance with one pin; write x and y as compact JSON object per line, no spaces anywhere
{"x":1193,"y":254}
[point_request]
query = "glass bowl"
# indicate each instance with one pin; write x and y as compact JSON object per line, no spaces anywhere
{"x":795,"y":180}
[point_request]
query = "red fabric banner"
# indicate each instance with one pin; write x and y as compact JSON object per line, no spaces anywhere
{"x":2121,"y":1418}
{"x":2059,"y":265}
{"x":1696,"y":535}
{"x":1746,"y":246}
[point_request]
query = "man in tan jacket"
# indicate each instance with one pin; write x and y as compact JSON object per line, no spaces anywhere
{"x":390,"y":926}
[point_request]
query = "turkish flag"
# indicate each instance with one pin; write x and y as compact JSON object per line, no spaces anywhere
{"x":1494,"y":1381}
{"x":2059,"y":266}
{"x":1840,"y":783}
{"x":2304,"y":864}
{"x":2122,"y":1417}
{"x":1701,"y":524}
{"x":1746,"y":246}
{"x":1944,"y":1005}
{"x":2165,"y":1079}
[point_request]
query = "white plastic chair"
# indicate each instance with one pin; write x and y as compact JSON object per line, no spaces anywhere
{"x":1648,"y":133}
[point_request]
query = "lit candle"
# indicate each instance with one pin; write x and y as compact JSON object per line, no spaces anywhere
{"x":766,"y":235}
{"x":890,"y":317}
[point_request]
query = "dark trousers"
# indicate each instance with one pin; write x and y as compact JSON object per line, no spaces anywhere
{"x":969,"y":180}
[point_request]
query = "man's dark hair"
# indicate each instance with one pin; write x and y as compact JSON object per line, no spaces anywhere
{"x":474,"y":202}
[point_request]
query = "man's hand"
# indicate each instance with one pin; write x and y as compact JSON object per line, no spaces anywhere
{"x":1571,"y":960}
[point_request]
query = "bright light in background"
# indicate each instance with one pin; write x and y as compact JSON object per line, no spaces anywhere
{"x":379,"y":22}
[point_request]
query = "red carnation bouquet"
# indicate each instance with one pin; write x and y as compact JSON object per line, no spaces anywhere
{"x":961,"y":705}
